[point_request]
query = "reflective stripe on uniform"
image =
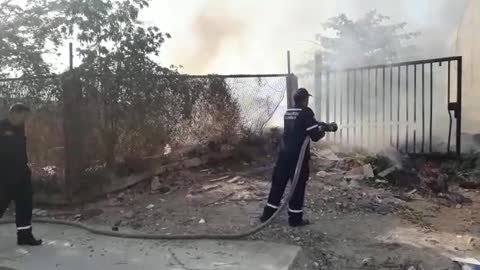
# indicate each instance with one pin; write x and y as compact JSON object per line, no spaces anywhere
{"x":272,"y":206}
{"x":295,"y":211}
{"x":24,"y":228}
{"x":312,"y":127}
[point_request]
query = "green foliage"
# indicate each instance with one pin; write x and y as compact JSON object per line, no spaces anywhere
{"x":26,"y":33}
{"x":111,"y":39}
{"x":126,"y":99}
{"x":107,"y":34}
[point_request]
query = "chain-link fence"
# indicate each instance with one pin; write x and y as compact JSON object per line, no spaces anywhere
{"x":44,"y":129}
{"x":89,"y":130}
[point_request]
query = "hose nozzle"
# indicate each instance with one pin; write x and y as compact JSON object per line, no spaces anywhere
{"x":328,"y":127}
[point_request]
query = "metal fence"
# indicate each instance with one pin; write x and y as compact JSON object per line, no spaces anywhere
{"x":404,"y":105}
{"x":86,"y":127}
{"x":45,"y":127}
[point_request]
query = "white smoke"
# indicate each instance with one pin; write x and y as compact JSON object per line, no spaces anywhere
{"x":253,"y":35}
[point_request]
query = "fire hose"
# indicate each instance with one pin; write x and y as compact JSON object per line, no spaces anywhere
{"x":229,"y":236}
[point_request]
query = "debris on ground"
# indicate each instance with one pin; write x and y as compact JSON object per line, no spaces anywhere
{"x":322,"y":174}
{"x":219,"y":179}
{"x":191,"y":163}
{"x":360,"y":173}
{"x":155,"y":184}
{"x":362,"y":206}
{"x":469,"y":184}
{"x":129,"y":214}
{"x":205,"y":188}
{"x":388,"y":171}
{"x":91,"y":212}
{"x":413,"y":191}
{"x":217,"y":201}
{"x":380,"y":181}
{"x":233,"y":180}
{"x":327,"y":154}
{"x":39,"y":212}
{"x":167,"y":149}
{"x":454,"y":198}
{"x":116,"y":225}
{"x":437,"y":184}
{"x":356,"y":173}
{"x":368,"y":171}
{"x":368,"y":262}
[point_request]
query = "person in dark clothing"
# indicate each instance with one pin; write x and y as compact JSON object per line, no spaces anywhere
{"x":299,"y":123}
{"x":15,"y":175}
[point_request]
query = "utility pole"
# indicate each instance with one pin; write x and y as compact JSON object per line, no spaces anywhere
{"x":292,"y":83}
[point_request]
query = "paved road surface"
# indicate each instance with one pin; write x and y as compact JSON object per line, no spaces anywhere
{"x":73,"y":249}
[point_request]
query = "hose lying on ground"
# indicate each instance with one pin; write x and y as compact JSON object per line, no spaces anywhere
{"x":231,"y":236}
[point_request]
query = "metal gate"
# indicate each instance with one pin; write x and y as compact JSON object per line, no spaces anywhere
{"x":410,"y":105}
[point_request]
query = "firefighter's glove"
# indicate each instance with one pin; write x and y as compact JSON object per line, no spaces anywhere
{"x":333,"y":127}
{"x":328,"y":127}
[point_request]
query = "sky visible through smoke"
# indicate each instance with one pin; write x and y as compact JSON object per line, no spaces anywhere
{"x":228,"y":37}
{"x":246,"y":36}
{"x":249,"y":36}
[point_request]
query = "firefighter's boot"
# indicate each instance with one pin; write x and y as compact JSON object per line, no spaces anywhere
{"x":26,"y":238}
{"x":267,"y":213}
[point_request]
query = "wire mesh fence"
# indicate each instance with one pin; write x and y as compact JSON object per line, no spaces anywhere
{"x":44,"y":129}
{"x":88,"y":127}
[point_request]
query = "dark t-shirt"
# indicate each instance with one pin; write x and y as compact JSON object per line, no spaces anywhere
{"x":13,"y":148}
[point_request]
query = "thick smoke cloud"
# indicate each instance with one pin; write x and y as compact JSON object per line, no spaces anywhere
{"x":251,"y":36}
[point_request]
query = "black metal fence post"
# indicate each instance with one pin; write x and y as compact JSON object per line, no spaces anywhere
{"x":459,"y":107}
{"x":73,"y":130}
{"x":415,"y":108}
{"x":292,"y":85}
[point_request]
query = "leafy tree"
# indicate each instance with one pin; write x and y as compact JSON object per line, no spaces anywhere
{"x":113,"y":43}
{"x":371,"y":39}
{"x":126,"y":96}
{"x":105,"y":33}
{"x":27,"y":33}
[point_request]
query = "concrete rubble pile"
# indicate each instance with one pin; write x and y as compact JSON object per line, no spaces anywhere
{"x":391,"y":170}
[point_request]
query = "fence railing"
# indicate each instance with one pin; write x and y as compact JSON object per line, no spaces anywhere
{"x":405,"y":105}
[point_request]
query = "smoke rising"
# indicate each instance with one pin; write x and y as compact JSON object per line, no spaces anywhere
{"x":437,"y":22}
{"x":212,"y":27}
{"x":467,"y":46}
{"x":251,"y":36}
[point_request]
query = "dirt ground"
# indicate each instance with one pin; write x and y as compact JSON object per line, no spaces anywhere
{"x":357,"y":224}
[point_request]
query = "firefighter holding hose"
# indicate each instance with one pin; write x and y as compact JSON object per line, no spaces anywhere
{"x":299,"y":123}
{"x":15,"y":182}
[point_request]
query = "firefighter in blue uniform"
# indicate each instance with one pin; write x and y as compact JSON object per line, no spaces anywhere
{"x":15,"y":182}
{"x":299,"y":123}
